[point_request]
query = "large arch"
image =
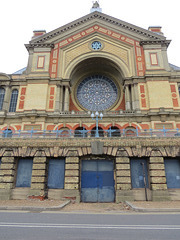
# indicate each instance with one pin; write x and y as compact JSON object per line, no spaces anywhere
{"x":98,"y":66}
{"x":118,"y":63}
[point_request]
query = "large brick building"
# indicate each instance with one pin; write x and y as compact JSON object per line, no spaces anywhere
{"x":50,"y":144}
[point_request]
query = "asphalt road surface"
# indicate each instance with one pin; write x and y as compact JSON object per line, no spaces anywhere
{"x":81,"y":226}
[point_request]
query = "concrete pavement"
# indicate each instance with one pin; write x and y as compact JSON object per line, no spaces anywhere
{"x":141,"y":206}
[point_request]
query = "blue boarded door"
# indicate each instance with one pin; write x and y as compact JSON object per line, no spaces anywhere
{"x":56,"y":173}
{"x":172,"y":169}
{"x":97,"y":181}
{"x":137,"y":174}
{"x":24,"y":173}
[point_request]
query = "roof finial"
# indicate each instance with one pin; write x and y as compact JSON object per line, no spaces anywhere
{"x":96,"y":6}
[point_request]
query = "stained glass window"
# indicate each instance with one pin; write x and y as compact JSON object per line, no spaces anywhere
{"x":97,"y":93}
{"x":96,"y":45}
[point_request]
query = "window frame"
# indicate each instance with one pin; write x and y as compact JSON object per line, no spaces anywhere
{"x":2,"y":95}
{"x":13,"y":100}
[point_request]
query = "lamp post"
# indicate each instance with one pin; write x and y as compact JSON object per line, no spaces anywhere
{"x":97,"y":115}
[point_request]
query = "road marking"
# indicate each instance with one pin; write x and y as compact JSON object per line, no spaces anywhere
{"x":91,"y":226}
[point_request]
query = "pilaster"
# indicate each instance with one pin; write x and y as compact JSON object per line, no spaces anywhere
{"x":57,"y":102}
{"x":7,"y":176}
{"x":38,"y":180}
{"x":123,"y":179}
{"x":72,"y":173}
{"x":7,"y":99}
{"x":66,"y":99}
{"x":158,"y":179}
{"x":127,"y":98}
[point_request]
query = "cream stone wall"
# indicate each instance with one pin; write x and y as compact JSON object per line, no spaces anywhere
{"x":159,"y":94}
{"x":45,"y":67}
{"x":36,"y":97}
{"x":119,"y":51}
{"x":151,"y":61}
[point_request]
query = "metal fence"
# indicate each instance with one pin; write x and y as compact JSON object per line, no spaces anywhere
{"x":110,"y":133}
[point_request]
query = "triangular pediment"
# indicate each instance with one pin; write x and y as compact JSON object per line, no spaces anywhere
{"x":100,"y":19}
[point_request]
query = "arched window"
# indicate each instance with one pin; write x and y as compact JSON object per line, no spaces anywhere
{"x":130,"y":132}
{"x":13,"y":102}
{"x":7,"y":133}
{"x":100,"y":130}
{"x":114,"y":132}
{"x":2,"y":93}
{"x":80,"y":132}
{"x":64,"y":133}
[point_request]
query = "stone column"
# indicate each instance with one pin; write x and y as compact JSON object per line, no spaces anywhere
{"x":38,"y":180}
{"x":57,"y":102}
{"x":123,"y":179}
{"x":127,"y":98}
{"x":7,"y":98}
{"x":136,"y":95}
{"x":133,"y":97}
{"x":61,"y":99}
{"x":66,"y":99}
{"x":7,"y":176}
{"x":158,"y":179}
{"x":71,"y":181}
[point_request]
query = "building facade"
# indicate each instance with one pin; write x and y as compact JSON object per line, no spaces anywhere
{"x":52,"y":145}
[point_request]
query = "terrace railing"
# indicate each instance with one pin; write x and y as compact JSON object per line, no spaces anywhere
{"x":110,"y":133}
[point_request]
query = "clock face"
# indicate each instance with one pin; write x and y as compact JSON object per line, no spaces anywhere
{"x":96,"y":45}
{"x":97,"y":93}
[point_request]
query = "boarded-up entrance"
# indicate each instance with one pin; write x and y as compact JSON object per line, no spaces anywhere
{"x":137,"y":173}
{"x":97,"y":181}
{"x":24,"y":173}
{"x":56,"y":173}
{"x":172,"y":169}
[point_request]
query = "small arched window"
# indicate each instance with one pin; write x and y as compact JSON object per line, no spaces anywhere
{"x":7,"y":133}
{"x":2,"y":93}
{"x":80,"y":132}
{"x":64,"y":132}
{"x":130,"y":132}
{"x":13,"y":102}
{"x":114,"y":132}
{"x":100,"y":131}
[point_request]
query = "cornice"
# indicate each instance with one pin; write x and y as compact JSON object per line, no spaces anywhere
{"x":39,"y":45}
{"x":5,"y":77}
{"x":155,"y":42}
{"x":103,"y":17}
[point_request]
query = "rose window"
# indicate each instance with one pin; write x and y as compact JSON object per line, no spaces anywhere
{"x":97,"y":93}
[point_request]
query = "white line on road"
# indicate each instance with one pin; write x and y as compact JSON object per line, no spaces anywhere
{"x":91,"y":226}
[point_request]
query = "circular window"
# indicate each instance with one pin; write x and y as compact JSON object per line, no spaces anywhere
{"x":97,"y":93}
{"x":96,"y":45}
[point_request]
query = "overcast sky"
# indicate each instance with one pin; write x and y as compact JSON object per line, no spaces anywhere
{"x":19,"y":18}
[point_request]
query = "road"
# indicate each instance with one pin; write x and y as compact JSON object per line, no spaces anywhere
{"x":81,"y":226}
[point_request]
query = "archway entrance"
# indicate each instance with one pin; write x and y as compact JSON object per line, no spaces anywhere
{"x":97,"y":180}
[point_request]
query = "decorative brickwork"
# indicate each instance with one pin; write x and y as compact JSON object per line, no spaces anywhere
{"x":22,"y":98}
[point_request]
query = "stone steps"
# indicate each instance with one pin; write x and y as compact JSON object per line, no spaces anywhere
{"x":20,"y":193}
{"x":56,"y":194}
